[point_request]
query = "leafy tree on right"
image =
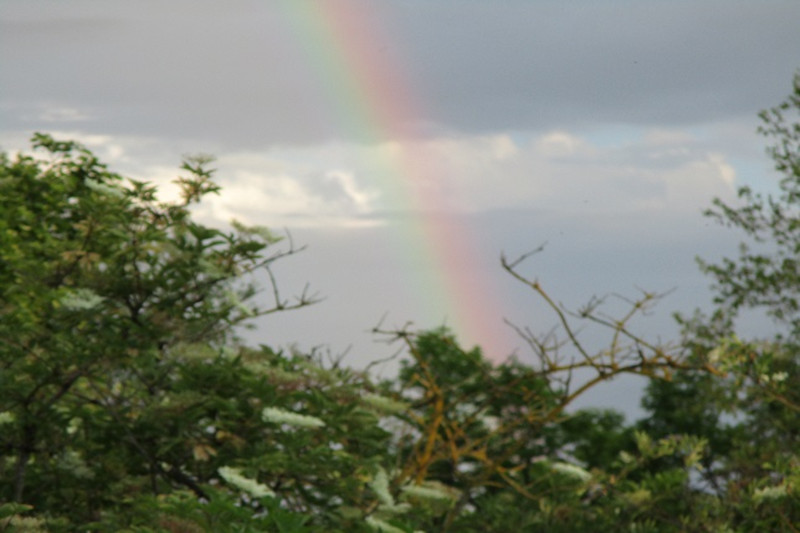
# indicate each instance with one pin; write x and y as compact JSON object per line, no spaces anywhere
{"x":743,"y":397}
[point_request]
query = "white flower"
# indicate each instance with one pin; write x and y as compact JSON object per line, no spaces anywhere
{"x":250,"y":486}
{"x":234,"y":300}
{"x":6,"y":417}
{"x":571,"y":470}
{"x":384,"y":404}
{"x":380,"y":486}
{"x":429,"y":491}
{"x":280,"y":416}
{"x":779,"y":377}
{"x":491,"y":422}
{"x":74,"y":425}
{"x":397,"y":508}
{"x":381,"y":526}
{"x":769,"y":493}
{"x":626,"y":457}
{"x":81,"y":299}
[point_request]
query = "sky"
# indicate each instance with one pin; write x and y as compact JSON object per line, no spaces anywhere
{"x":409,"y":143}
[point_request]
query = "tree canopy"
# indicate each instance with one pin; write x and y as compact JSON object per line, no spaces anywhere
{"x":129,"y":403}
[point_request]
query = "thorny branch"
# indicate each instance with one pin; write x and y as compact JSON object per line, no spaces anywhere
{"x":627,"y":351}
{"x":444,"y":436}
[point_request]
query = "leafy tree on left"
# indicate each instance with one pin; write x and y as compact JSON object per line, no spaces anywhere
{"x":107,"y":297}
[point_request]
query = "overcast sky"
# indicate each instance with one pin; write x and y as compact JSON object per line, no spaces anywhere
{"x":365,"y":127}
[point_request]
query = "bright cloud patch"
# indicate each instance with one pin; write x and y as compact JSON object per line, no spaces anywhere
{"x":327,"y":198}
{"x":347,"y":184}
{"x":559,"y":143}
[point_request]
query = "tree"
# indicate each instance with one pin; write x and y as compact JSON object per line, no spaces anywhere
{"x":498,"y":439}
{"x":765,"y":275}
{"x":742,"y":397}
{"x":118,"y":314}
{"x":128,"y":402}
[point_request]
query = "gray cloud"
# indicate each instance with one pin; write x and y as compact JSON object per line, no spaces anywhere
{"x":238,"y":72}
{"x":518,"y":65}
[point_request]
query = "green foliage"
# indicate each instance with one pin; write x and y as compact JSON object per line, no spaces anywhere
{"x":742,"y":396}
{"x":122,"y":380}
{"x":127,"y":402}
{"x":765,"y":275}
{"x":129,"y":405}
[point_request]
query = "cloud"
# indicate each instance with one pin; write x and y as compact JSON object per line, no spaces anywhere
{"x":560,"y":144}
{"x":522,"y":65}
{"x":340,"y":184}
{"x":332,"y":199}
{"x":247,"y":75}
{"x":564,"y":171}
{"x":349,"y":184}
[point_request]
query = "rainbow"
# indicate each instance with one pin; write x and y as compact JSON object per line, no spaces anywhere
{"x":372,"y":99}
